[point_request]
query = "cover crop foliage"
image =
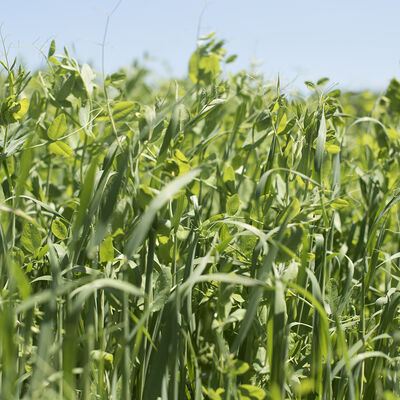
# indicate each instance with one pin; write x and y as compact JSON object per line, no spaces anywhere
{"x":207,"y":238}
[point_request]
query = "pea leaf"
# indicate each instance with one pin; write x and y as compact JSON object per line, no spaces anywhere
{"x":228,"y":178}
{"x":59,"y":229}
{"x":24,"y":106}
{"x":57,"y":127}
{"x":30,"y":238}
{"x":60,"y":148}
{"x":232,"y":204}
{"x":107,"y":250}
{"x":250,"y":392}
{"x":123,"y":109}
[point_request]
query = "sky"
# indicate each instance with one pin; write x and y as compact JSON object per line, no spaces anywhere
{"x":356,"y":43}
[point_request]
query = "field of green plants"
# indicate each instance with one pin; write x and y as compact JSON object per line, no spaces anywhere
{"x":213,"y":237}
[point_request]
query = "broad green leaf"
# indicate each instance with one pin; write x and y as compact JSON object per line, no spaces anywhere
{"x":239,"y":367}
{"x":107,"y":250}
{"x":54,"y":60}
{"x":322,"y":81}
{"x":291,"y":211}
{"x":24,"y":106}
{"x":57,"y":127}
{"x":393,"y":94}
{"x":339,"y":203}
{"x":65,"y":89}
{"x":232,"y":204}
{"x":332,"y":148}
{"x":35,"y":105}
{"x":250,"y":392}
{"x":217,"y":394}
{"x":282,"y":124}
{"x":182,"y":162}
{"x":59,"y":229}
{"x":123,"y":109}
{"x":30,"y":238}
{"x":228,"y":177}
{"x":88,"y":76}
{"x":21,"y":281}
{"x":194,"y":67}
{"x":210,"y":64}
{"x":162,"y":288}
{"x":60,"y":148}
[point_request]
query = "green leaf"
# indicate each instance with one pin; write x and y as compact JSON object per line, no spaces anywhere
{"x":310,"y":85}
{"x":84,"y":197}
{"x":21,"y":281}
{"x":88,"y":76}
{"x":84,"y":119}
{"x":52,"y":48}
{"x":65,"y":87}
{"x":231,"y":59}
{"x":215,"y":394}
{"x":339,"y":203}
{"x":54,"y":60}
{"x":24,"y":106}
{"x":393,"y":94}
{"x":332,"y":148}
{"x":35,"y":106}
{"x":194,"y":67}
{"x":250,"y":392}
{"x":31,"y":238}
{"x":239,"y":367}
{"x":61,"y":149}
{"x":228,"y":177}
{"x":107,"y":250}
{"x":322,"y":81}
{"x":123,"y":109}
{"x":162,"y":288}
{"x":210,"y":64}
{"x":291,"y":211}
{"x":59,"y":229}
{"x":57,"y":127}
{"x":232,"y":204}
{"x":99,"y":355}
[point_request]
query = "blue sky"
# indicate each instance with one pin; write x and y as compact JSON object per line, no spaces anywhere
{"x":354,"y":42}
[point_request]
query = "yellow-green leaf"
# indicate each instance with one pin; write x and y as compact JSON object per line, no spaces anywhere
{"x":57,"y":127}
{"x":60,"y":148}
{"x":250,"y":392}
{"x":21,"y":281}
{"x":107,"y":250}
{"x":59,"y":229}
{"x":122,"y":109}
{"x":291,"y":211}
{"x":332,"y":148}
{"x":215,"y":394}
{"x":232,"y":204}
{"x":228,"y":178}
{"x":30,"y":238}
{"x":239,"y":367}
{"x":24,"y":103}
{"x":339,"y":203}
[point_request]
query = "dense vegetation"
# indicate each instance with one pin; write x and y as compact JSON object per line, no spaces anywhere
{"x":209,"y":238}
